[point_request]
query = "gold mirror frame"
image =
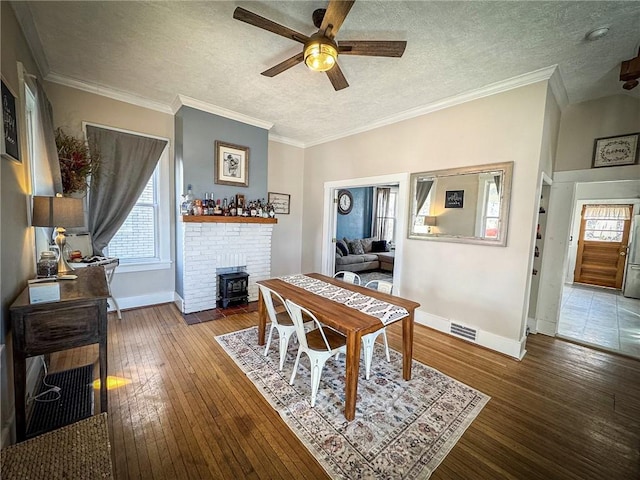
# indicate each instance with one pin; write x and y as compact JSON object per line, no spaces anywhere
{"x":465,"y":192}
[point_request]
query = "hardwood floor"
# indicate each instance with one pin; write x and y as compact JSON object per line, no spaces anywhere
{"x":564,"y":412}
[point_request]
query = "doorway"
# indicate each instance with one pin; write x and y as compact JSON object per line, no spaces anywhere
{"x":602,"y":245}
{"x":330,"y":219}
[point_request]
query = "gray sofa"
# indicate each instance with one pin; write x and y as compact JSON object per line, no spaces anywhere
{"x":359,"y":262}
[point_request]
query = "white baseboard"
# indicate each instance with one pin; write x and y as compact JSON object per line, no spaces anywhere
{"x":486,"y":339}
{"x":532,"y":324}
{"x":179,"y":301}
{"x":143,"y":300}
{"x":547,"y":328}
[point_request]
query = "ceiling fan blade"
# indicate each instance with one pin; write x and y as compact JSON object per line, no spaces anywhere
{"x":282,"y":66}
{"x":257,"y":21}
{"x":337,"y":78}
{"x":337,"y":11}
{"x":373,"y":48}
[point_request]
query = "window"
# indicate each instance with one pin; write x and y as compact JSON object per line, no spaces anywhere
{"x":605,"y":223}
{"x":385,"y":220}
{"x":136,"y":241}
{"x":491,"y":210}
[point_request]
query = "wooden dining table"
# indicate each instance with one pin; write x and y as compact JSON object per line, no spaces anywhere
{"x":347,"y":320}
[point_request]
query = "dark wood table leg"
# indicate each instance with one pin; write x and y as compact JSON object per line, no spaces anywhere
{"x":262,"y":318}
{"x":20,"y":386}
{"x":407,"y":346}
{"x":353,"y":368}
{"x":103,"y":375}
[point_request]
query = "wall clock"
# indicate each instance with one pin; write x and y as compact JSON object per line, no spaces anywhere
{"x":345,"y":202}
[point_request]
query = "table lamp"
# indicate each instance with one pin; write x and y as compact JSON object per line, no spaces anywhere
{"x":56,"y":212}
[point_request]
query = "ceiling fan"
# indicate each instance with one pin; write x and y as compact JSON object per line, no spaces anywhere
{"x":321,"y":50}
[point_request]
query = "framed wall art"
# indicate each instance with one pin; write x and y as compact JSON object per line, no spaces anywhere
{"x":232,"y":164}
{"x":454,"y":199}
{"x":280,"y":201}
{"x":616,"y":151}
{"x":9,"y":148}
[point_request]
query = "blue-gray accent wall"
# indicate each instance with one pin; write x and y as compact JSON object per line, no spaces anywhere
{"x":195,"y":135}
{"x":357,"y":223}
{"x":199,"y":131}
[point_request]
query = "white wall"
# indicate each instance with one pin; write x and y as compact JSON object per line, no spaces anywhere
{"x":584,"y":122}
{"x":286,"y":169}
{"x":452,"y":281}
{"x":70,"y":108}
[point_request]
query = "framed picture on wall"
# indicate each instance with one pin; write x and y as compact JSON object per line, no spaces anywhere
{"x":454,"y":199}
{"x":280,"y":201}
{"x":616,"y":151}
{"x":232,"y":164}
{"x":9,"y":148}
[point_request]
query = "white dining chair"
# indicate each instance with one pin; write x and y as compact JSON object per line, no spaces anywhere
{"x":319,"y":344}
{"x":279,"y":321}
{"x":348,"y":277}
{"x":369,"y":340}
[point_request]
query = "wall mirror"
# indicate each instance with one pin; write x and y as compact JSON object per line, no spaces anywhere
{"x":469,"y":204}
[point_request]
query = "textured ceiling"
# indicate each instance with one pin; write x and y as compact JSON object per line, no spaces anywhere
{"x":158,"y":50}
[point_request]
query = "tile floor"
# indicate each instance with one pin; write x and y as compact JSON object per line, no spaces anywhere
{"x":600,"y":317}
{"x":215,"y":313}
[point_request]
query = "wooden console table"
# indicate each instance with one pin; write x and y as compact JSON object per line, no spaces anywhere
{"x":79,"y":318}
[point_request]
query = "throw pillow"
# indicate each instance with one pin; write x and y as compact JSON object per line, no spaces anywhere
{"x":379,"y":246}
{"x":342,"y":246}
{"x":366,"y":244}
{"x":338,"y":253}
{"x":355,"y":247}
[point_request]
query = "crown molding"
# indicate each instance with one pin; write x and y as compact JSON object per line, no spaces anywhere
{"x":108,"y":92}
{"x":286,"y":141}
{"x":23,"y":14}
{"x":184,"y":101}
{"x":536,"y":76}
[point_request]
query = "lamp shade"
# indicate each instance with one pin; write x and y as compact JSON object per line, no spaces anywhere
{"x":57,"y":212}
{"x":430,"y":221}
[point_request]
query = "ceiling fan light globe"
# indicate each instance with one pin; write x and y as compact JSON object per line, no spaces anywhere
{"x":320,"y":56}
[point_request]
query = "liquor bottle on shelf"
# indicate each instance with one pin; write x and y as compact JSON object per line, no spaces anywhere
{"x":188,"y":201}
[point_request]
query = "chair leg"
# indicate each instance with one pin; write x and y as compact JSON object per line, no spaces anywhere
{"x":367,"y":345}
{"x":117,"y":307}
{"x":284,"y":344}
{"x":266,"y":349}
{"x":316,"y":373}
{"x":295,"y":367}
{"x":386,"y":344}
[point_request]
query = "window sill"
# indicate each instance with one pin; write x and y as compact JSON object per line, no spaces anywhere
{"x":143,"y":266}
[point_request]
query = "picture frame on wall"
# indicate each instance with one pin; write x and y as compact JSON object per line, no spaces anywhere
{"x":454,"y":199}
{"x":281,"y":202}
{"x":9,"y":147}
{"x":231,"y":165}
{"x":616,"y":151}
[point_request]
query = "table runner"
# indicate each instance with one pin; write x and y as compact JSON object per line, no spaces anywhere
{"x":384,"y":311}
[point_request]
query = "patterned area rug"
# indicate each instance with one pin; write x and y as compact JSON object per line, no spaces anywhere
{"x":402,"y":430}
{"x":368,"y":276}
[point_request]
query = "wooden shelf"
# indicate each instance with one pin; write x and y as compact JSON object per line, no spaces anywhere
{"x":223,"y":219}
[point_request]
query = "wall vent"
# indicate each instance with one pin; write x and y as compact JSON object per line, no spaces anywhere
{"x":464,"y":332}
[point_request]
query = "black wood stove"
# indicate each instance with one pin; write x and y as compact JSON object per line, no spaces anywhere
{"x":232,"y":289}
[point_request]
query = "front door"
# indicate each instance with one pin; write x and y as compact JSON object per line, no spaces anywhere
{"x":602,"y":245}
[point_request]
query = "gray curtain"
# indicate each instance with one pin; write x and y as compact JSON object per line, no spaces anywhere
{"x":382,"y":205}
{"x":45,"y":113}
{"x":423,"y":187}
{"x":126,"y":164}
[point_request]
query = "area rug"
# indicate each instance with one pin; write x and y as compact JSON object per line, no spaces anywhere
{"x":402,"y":429}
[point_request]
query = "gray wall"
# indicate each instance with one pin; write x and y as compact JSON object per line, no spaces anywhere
{"x":195,"y":135}
{"x":199,"y":131}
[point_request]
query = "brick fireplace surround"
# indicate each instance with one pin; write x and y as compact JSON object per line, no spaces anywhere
{"x":214,"y":245}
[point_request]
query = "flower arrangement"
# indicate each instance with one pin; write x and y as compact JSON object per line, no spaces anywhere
{"x":77,"y":162}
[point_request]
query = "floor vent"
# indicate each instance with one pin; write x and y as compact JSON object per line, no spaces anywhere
{"x":464,"y":332}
